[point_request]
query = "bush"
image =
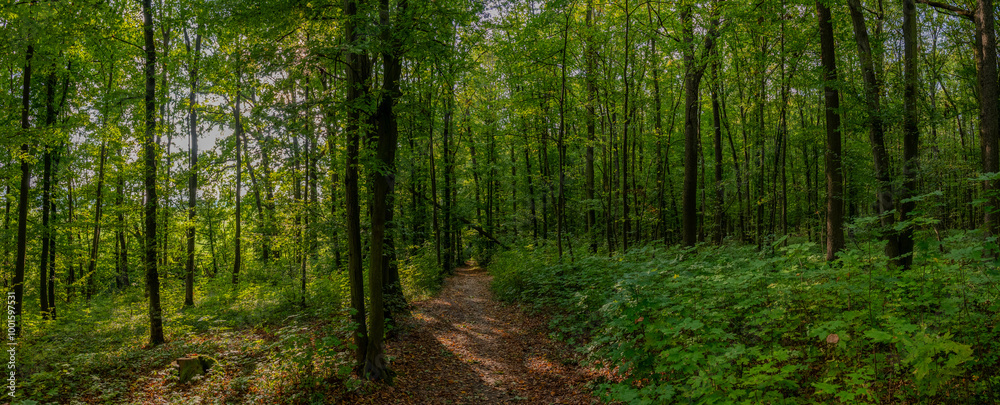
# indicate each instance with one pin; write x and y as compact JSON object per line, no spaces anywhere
{"x":732,"y":325}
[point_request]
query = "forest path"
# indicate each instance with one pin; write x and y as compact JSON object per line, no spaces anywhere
{"x":465,"y":347}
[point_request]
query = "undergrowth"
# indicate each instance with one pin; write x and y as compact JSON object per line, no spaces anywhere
{"x":732,"y":325}
{"x":269,"y":348}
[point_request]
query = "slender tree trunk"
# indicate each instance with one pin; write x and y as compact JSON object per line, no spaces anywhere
{"x":624,"y":151}
{"x":192,"y":169}
{"x":22,"y":202}
{"x":121,"y":256}
{"x":531,"y":190}
{"x":876,"y":130}
{"x":149,"y":149}
{"x":47,"y":200}
{"x":560,"y":146}
{"x":238,"y":133}
{"x":6,"y":229}
{"x":717,"y":145}
{"x":834,"y":175}
{"x":96,"y":240}
{"x":434,"y":195}
{"x":449,"y":228}
{"x":590,"y":57}
{"x":71,"y":276}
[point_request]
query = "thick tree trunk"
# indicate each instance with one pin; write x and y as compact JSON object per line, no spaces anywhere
{"x":384,"y":179}
{"x":989,"y":115}
{"x":149,"y":152}
{"x":911,"y":133}
{"x":834,"y":175}
{"x":693,"y":72}
{"x":357,"y":72}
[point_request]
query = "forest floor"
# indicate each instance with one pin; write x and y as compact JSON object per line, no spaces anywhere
{"x":465,"y":347}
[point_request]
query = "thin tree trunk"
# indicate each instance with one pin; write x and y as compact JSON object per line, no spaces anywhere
{"x":192,"y":168}
{"x":238,"y":133}
{"x":96,"y":240}
{"x":47,"y":200}
{"x":876,"y":130}
{"x":590,"y":57}
{"x":25,"y":188}
{"x":717,"y":145}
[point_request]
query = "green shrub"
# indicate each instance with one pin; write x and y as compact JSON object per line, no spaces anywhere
{"x":733,"y":325}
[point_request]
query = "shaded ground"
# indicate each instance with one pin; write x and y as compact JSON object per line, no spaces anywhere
{"x":464,"y":347}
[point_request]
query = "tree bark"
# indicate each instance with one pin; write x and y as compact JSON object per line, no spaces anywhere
{"x":693,"y":72}
{"x":192,"y":168}
{"x":96,"y":239}
{"x":876,"y":130}
{"x":834,"y":175}
{"x":989,"y":116}
{"x":911,"y":132}
{"x":238,"y":133}
{"x":590,"y":57}
{"x":357,"y":72}
{"x":149,"y":152}
{"x":47,"y":200}
{"x":25,"y":188}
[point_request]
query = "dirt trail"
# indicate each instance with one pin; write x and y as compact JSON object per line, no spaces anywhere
{"x":464,"y":347}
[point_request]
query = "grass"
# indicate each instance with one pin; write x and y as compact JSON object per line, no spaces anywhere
{"x":269,"y":349}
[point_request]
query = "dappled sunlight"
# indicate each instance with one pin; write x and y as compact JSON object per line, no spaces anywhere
{"x":465,"y":346}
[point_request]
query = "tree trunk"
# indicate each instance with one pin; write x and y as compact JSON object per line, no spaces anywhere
{"x":192,"y":169}
{"x":717,"y":145}
{"x":590,"y":57}
{"x":989,"y":116}
{"x":96,"y":240}
{"x":834,"y":175}
{"x":238,"y":133}
{"x":22,"y":201}
{"x":357,"y":72}
{"x":384,"y":179}
{"x":149,"y":151}
{"x":693,"y":72}
{"x":46,"y":200}
{"x":624,"y":150}
{"x":911,"y":133}
{"x":876,"y":130}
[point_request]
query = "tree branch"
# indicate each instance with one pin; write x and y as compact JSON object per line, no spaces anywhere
{"x":960,"y":12}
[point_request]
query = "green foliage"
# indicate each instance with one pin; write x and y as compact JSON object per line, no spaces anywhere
{"x":732,"y":325}
{"x":420,"y":274}
{"x":259,"y":335}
